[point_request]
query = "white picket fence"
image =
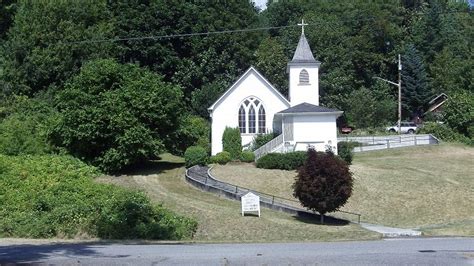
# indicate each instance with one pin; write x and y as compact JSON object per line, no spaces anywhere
{"x":371,"y":143}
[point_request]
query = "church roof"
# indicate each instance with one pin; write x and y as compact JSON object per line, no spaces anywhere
{"x":308,"y":108}
{"x":303,"y":52}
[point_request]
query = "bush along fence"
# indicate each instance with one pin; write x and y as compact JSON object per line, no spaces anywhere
{"x":200,"y":177}
{"x":371,"y":143}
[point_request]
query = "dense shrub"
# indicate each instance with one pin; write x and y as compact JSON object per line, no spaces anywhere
{"x":459,"y":112}
{"x":24,"y":125}
{"x":247,"y":156}
{"x":192,"y":131}
{"x":115,"y":115}
{"x":444,"y":133}
{"x":195,"y":155}
{"x":283,"y":161}
{"x":260,"y":140}
{"x":324,"y":183}
{"x":232,"y":142}
{"x":56,"y":196}
{"x":344,"y":150}
{"x":221,"y":158}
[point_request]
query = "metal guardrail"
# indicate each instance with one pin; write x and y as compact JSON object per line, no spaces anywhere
{"x":269,"y":146}
{"x":388,"y":142}
{"x":239,"y":191}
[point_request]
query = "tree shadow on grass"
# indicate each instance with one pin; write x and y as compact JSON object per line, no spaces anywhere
{"x":312,"y":218}
{"x":150,"y":167}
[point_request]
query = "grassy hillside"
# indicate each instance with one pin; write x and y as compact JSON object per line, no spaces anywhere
{"x":219,"y":219}
{"x":430,"y":187}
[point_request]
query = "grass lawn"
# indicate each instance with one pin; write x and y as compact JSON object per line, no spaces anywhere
{"x":219,"y":218}
{"x":426,"y":187}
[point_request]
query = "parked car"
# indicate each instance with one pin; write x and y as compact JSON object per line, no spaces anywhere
{"x":346,"y":129}
{"x":406,"y":128}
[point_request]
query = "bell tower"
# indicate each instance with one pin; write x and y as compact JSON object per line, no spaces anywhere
{"x":303,"y":72}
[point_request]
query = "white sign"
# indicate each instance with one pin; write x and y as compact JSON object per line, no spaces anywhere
{"x":250,"y":203}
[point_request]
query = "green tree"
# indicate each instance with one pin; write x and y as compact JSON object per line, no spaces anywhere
{"x":7,"y":10}
{"x":204,"y":97}
{"x":370,"y":108}
{"x":427,"y":30}
{"x":415,"y":84}
{"x":271,"y":61}
{"x":192,"y":131}
{"x":116,"y":115}
{"x":42,"y":47}
{"x":324,"y":183}
{"x":191,"y":61}
{"x":459,"y":112}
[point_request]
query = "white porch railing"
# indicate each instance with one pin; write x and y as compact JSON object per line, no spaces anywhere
{"x":269,"y":146}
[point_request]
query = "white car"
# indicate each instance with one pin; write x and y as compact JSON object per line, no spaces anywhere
{"x":406,"y":128}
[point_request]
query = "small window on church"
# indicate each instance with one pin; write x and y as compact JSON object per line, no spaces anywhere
{"x":261,"y":120}
{"x":251,"y":120}
{"x":304,"y":77}
{"x":242,"y":126}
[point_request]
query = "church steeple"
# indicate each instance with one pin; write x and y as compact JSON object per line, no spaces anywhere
{"x":303,"y":70}
{"x":303,"y":53}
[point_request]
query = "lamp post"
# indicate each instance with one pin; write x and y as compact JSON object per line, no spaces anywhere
{"x":399,"y":85}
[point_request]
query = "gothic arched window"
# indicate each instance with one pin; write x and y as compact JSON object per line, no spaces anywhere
{"x":261,"y":120}
{"x":242,"y":119}
{"x":304,"y":77}
{"x":251,"y":122}
{"x":252,"y":119}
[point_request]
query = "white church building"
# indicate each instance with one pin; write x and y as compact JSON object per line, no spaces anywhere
{"x":255,"y":106}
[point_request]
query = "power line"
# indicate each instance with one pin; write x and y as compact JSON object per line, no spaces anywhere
{"x":181,"y":35}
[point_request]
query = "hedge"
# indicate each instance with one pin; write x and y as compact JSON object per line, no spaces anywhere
{"x":283,"y":161}
{"x":247,"y":156}
{"x":221,"y":158}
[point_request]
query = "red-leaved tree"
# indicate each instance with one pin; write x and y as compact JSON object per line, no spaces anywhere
{"x":324,"y":183}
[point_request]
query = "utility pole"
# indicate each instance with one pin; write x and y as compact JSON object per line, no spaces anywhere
{"x":399,"y":95}
{"x":399,"y":85}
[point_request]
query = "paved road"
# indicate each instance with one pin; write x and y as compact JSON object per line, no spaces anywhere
{"x":420,"y":251}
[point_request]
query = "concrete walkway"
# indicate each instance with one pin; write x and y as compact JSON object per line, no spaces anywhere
{"x":391,"y":231}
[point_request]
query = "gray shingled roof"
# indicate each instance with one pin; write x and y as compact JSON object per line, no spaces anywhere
{"x":303,"y":53}
{"x":307,"y":108}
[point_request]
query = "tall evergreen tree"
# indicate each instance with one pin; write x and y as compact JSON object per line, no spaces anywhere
{"x":427,"y":31}
{"x":415,"y":84}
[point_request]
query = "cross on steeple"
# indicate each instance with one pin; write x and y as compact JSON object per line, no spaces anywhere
{"x":302,"y":24}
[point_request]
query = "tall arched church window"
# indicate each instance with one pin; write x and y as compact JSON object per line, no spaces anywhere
{"x":304,"y":77}
{"x":252,"y":117}
{"x":242,"y":125}
{"x":252,"y":120}
{"x":261,"y":120}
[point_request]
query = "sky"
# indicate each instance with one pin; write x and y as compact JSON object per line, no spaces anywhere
{"x":262,"y":4}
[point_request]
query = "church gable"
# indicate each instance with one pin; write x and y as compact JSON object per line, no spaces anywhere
{"x":251,"y":83}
